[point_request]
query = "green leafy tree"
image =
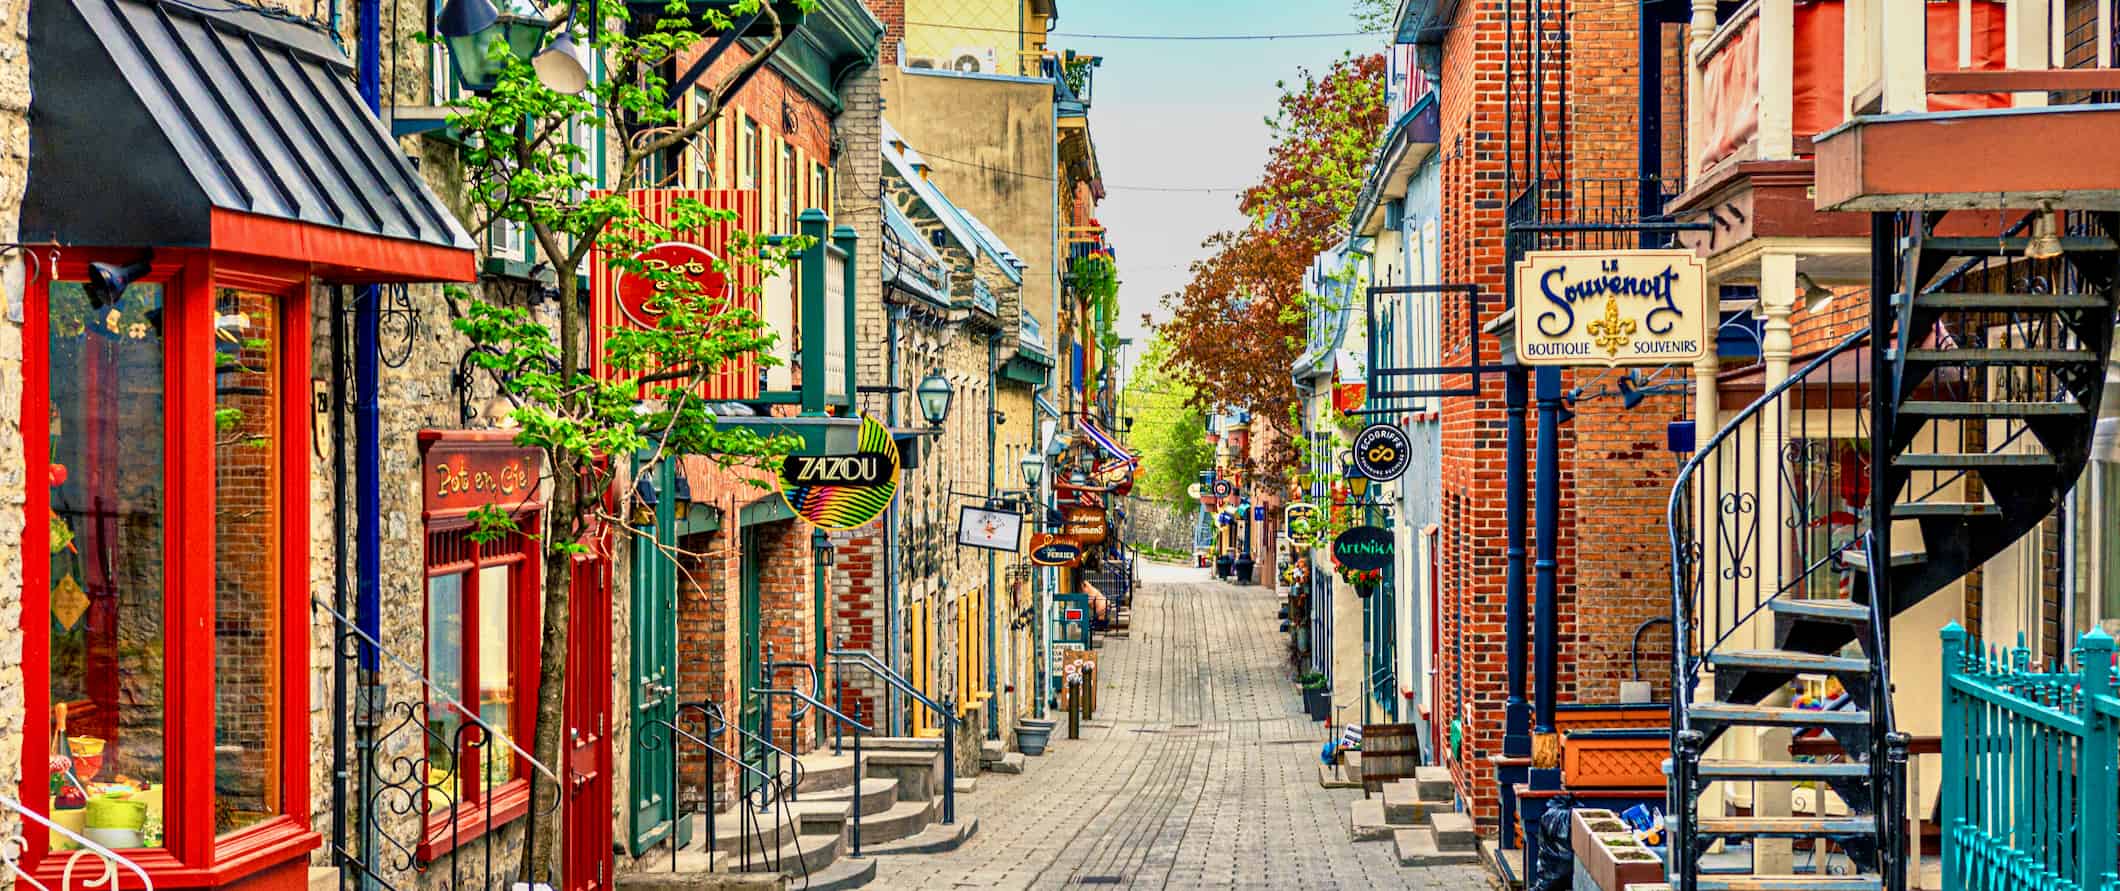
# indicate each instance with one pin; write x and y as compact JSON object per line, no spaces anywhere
{"x":1170,"y":430}
{"x":525,"y":167}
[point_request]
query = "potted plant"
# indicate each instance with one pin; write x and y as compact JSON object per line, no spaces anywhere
{"x":1364,"y":581}
{"x":1317,"y":695}
{"x":1032,"y":735}
{"x":1609,"y":852}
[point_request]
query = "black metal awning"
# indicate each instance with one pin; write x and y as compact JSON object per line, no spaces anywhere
{"x":159,"y":124}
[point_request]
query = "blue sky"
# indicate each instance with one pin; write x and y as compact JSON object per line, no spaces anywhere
{"x":1188,"y":114}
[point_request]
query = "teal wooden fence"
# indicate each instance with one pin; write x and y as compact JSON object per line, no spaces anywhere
{"x":2031,"y":768}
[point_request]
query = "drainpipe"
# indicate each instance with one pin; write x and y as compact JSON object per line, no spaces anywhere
{"x":1516,"y":735}
{"x":368,"y":449}
{"x":993,"y":711}
{"x":892,"y":315}
{"x":1048,"y":576}
{"x":1545,"y":744}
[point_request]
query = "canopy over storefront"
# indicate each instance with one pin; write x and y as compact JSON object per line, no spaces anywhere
{"x":160,"y":124}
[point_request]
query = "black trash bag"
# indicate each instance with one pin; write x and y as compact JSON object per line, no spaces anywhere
{"x":1556,"y":859}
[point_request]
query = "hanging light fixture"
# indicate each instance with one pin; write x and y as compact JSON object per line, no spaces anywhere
{"x":473,"y":28}
{"x":560,"y":66}
{"x":2045,"y":243}
{"x":1033,"y":469}
{"x":934,"y":394}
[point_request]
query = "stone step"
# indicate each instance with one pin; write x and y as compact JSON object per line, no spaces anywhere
{"x":967,"y":785}
{"x":1365,"y":820}
{"x":991,"y":750}
{"x":1454,"y":831}
{"x":1436,"y":783}
{"x":918,"y":771}
{"x":1008,"y":763}
{"x":1417,"y":847}
{"x":1403,"y":804}
{"x":844,"y":873}
{"x":823,"y":770}
{"x":903,"y":819}
{"x":802,"y":854}
{"x":878,"y":794}
{"x":1337,"y":779}
{"x":665,"y":880}
{"x":936,"y":839}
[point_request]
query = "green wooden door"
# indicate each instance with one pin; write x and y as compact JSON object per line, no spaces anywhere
{"x":653,"y":756}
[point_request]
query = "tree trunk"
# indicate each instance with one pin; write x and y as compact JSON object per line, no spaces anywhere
{"x":562,"y":526}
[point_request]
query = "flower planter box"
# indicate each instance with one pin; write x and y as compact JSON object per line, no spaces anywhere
{"x":1611,"y":858}
{"x":1614,"y":759}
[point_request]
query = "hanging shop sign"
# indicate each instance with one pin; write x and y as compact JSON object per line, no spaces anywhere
{"x":993,"y":530}
{"x":1085,"y":525}
{"x":1382,"y":452}
{"x":1611,"y":308}
{"x":1362,"y":548}
{"x":1048,"y":549}
{"x":621,"y":298}
{"x":846,"y":491}
{"x":468,"y":471}
{"x":1224,"y":488}
{"x":1301,"y":521}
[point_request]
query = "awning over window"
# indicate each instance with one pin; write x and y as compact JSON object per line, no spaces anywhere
{"x":158,"y":124}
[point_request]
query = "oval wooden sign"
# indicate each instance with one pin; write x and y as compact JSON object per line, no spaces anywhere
{"x":1053,"y":551}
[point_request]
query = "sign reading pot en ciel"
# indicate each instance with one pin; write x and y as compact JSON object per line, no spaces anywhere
{"x":1611,"y":308}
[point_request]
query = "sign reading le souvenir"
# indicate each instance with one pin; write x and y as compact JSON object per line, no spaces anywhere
{"x":1363,"y":548}
{"x":1301,"y":521}
{"x":1382,"y":452}
{"x":1611,"y":308}
{"x":1054,"y":550}
{"x":844,"y":491}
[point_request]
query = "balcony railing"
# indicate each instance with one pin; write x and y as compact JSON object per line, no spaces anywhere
{"x":1766,"y":80}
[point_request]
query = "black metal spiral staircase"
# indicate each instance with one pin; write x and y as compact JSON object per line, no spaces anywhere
{"x":1995,"y":350}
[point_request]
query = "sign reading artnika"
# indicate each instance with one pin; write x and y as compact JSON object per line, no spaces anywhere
{"x":1611,"y":308}
{"x":1363,"y":548}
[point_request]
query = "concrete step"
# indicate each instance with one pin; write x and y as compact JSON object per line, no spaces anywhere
{"x":967,"y":785}
{"x":903,"y":819}
{"x":1417,"y":847}
{"x":1011,"y":762}
{"x":991,"y":750}
{"x":918,"y":771}
{"x":878,"y":794}
{"x":823,"y":770}
{"x":665,"y":880}
{"x":803,"y":854}
{"x":935,"y":839}
{"x":1435,"y":783}
{"x":1365,"y":820}
{"x":1454,"y":831}
{"x":1403,"y":804}
{"x":1788,"y":883}
{"x":842,"y":874}
{"x":901,"y":743}
{"x":1337,"y":779}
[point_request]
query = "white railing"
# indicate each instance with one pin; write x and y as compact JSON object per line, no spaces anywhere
{"x":105,"y":861}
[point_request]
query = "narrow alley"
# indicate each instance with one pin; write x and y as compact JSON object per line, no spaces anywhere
{"x":1199,"y":771}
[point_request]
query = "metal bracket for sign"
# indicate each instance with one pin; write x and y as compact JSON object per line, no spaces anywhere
{"x":1381,"y":390}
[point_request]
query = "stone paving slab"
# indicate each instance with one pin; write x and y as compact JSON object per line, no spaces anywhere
{"x":1199,"y":772}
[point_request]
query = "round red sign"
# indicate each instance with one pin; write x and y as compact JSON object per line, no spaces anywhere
{"x":694,"y":262}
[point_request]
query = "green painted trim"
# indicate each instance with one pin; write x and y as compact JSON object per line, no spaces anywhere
{"x":1024,"y":372}
{"x":699,"y":518}
{"x":769,"y":509}
{"x":814,"y":224}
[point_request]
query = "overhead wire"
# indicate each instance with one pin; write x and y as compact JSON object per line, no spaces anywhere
{"x":1025,"y":174}
{"x":1083,"y":35}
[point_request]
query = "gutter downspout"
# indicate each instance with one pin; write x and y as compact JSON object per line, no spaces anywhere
{"x":368,"y":448}
{"x":891,"y":700}
{"x":993,"y":711}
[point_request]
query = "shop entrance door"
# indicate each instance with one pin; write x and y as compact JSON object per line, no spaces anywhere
{"x":586,"y":769}
{"x":652,"y":814}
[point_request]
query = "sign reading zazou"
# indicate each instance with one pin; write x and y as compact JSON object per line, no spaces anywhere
{"x":619,"y":300}
{"x":1611,"y":308}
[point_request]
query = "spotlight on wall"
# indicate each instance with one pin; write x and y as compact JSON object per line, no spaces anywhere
{"x":1815,"y":296}
{"x":107,"y":281}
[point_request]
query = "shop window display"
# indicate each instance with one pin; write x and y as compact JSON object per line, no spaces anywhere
{"x":107,"y":485}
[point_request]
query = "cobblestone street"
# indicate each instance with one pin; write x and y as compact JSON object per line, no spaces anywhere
{"x":1199,"y":772}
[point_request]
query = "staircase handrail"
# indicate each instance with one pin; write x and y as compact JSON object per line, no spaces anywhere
{"x":868,"y":660}
{"x":712,"y":715}
{"x":770,"y":794}
{"x":828,"y":711}
{"x":112,"y":861}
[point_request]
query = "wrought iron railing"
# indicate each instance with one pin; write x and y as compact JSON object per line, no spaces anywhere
{"x":945,"y":711}
{"x":432,"y":797}
{"x":768,"y":795}
{"x":106,"y":863}
{"x":2031,"y":766}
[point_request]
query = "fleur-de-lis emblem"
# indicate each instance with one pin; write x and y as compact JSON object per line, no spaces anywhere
{"x":1611,"y":332}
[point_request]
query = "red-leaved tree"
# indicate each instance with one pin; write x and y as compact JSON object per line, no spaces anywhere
{"x":1238,"y":326}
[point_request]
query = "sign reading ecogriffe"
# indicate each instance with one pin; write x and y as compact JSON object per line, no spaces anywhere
{"x":1611,"y":308}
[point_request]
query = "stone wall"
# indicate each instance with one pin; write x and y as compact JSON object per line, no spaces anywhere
{"x":14,"y":170}
{"x":1159,"y":523}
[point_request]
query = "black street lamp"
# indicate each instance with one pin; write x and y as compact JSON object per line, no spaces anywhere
{"x":1033,"y":471}
{"x":473,"y":29}
{"x":934,"y":394}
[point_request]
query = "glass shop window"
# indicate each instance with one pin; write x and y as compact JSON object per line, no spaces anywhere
{"x":246,"y":561}
{"x":107,"y":477}
{"x":479,"y":608}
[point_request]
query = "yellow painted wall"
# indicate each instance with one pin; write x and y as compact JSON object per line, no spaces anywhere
{"x":1001,"y":35}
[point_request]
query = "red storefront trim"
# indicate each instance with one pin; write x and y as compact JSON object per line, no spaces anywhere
{"x":192,"y":856}
{"x":338,"y":254}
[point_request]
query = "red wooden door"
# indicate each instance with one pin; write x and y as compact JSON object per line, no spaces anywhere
{"x":586,"y":832}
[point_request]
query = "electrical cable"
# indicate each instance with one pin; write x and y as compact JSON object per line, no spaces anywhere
{"x":988,"y":168}
{"x":1296,"y":35}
